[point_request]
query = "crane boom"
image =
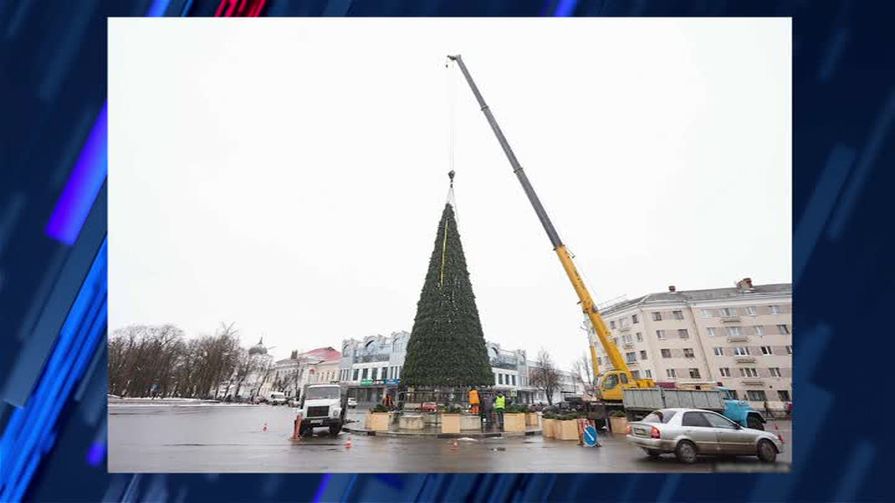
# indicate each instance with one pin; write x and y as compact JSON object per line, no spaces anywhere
{"x":587,"y":303}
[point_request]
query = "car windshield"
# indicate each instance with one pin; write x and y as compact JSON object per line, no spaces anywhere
{"x":277,"y":395}
{"x":659,"y":416}
{"x":323,"y":393}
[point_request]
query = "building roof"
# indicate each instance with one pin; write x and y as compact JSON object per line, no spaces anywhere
{"x":325,"y":353}
{"x":711,"y":294}
{"x":258,"y":349}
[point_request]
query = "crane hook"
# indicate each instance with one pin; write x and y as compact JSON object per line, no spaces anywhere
{"x":451,"y":176}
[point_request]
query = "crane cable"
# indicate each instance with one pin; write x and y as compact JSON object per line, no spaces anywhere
{"x":451,"y":97}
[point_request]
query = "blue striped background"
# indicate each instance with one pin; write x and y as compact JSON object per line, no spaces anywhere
{"x":53,"y":262}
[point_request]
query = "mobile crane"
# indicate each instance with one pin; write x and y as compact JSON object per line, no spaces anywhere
{"x":612,"y":383}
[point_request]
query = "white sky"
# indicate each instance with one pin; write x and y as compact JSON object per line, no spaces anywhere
{"x":289,"y":174}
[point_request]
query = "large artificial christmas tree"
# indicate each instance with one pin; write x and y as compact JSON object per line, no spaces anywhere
{"x":447,"y":347}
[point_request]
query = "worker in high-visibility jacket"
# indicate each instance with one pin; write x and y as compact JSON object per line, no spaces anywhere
{"x":474,"y":401}
{"x":500,"y":403}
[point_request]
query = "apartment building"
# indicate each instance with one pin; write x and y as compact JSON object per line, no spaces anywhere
{"x":739,"y":336}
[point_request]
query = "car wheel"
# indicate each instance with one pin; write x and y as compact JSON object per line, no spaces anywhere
{"x":685,"y":452}
{"x":653,"y":454}
{"x":767,"y":453}
{"x":754,"y":423}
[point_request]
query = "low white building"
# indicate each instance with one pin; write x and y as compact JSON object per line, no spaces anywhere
{"x":371,"y":367}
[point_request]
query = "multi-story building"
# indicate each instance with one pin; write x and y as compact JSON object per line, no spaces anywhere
{"x":740,"y":337}
{"x":290,"y":375}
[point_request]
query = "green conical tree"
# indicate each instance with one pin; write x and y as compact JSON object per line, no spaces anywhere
{"x":447,"y":347}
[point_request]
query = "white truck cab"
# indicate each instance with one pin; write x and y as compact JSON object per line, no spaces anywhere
{"x":322,"y":405}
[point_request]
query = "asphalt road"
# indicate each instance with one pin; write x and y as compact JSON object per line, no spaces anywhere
{"x":220,"y":438}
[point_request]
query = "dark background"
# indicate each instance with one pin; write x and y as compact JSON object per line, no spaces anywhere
{"x":53,"y":261}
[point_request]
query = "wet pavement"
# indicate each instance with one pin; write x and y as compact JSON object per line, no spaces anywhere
{"x":190,"y":437}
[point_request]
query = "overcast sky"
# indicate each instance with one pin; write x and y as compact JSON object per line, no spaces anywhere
{"x":288,"y":174}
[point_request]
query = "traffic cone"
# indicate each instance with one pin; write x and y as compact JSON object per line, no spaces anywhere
{"x":348,"y":442}
{"x":264,"y":428}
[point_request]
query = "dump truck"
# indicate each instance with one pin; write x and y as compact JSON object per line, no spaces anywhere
{"x":641,"y":401}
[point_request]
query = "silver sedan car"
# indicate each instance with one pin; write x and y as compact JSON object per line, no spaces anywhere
{"x":689,"y":433}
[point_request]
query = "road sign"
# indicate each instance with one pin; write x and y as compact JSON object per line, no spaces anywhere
{"x":590,"y":436}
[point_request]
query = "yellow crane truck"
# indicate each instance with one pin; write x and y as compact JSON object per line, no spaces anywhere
{"x":611,"y":383}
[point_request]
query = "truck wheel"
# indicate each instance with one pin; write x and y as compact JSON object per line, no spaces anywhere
{"x":334,"y":430}
{"x":754,"y":423}
{"x":767,"y":453}
{"x":685,"y":452}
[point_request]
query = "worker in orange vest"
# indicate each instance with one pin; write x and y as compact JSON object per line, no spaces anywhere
{"x":474,"y":401}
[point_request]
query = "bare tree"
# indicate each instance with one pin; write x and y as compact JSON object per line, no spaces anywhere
{"x":157,"y":361}
{"x":544,"y":375}
{"x":583,"y":370}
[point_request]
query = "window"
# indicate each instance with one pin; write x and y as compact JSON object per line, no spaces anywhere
{"x":639,"y":337}
{"x":660,"y":334}
{"x":670,"y":373}
{"x":695,"y":419}
{"x":741,"y":351}
{"x":635,"y":374}
{"x":355,"y":374}
{"x":658,"y":416}
{"x":694,"y":373}
{"x":688,"y":353}
{"x":783,"y":329}
{"x":499,"y":378}
{"x":711,"y":331}
{"x":719,"y":421}
{"x":750,"y":310}
{"x":748,"y":372}
{"x":706,"y":313}
{"x":789,"y":350}
{"x":622,"y":323}
{"x":756,"y":395}
{"x":635,"y":319}
{"x":514,"y":379}
{"x":648,"y":373}
{"x":775,"y":371}
{"x":775,"y":309}
{"x":373,"y":373}
{"x":728,"y":312}
{"x":759,"y":330}
{"x":666,"y":353}
{"x":725,"y":371}
{"x":643,"y":355}
{"x":612,"y":324}
{"x":719,"y":351}
{"x":657,"y":316}
{"x":631,"y":357}
{"x":783,"y":395}
{"x":615,"y":340}
{"x":627,"y":339}
{"x":363,"y":374}
{"x":683,"y":334}
{"x":766,"y":350}
{"x":678,"y":315}
{"x":734,"y":331}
